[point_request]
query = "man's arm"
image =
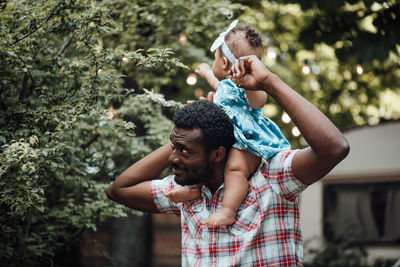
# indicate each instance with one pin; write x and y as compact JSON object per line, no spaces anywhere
{"x":327,"y":147}
{"x":133,"y":187}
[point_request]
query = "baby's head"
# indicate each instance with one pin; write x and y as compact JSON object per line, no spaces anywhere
{"x":244,"y":41}
{"x":241,"y":41}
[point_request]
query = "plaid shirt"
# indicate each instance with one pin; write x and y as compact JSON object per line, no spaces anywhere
{"x":267,"y":227}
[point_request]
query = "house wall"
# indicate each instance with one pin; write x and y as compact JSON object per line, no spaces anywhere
{"x":311,"y":220}
{"x":374,"y":156}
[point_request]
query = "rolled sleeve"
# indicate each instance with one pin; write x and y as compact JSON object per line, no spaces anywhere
{"x":158,"y":190}
{"x":278,"y":171}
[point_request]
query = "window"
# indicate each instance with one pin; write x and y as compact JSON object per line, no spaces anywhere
{"x":362,"y":212}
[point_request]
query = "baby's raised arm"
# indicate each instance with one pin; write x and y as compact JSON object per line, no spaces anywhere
{"x":205,"y":71}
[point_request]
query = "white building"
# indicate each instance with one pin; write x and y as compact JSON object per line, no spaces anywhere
{"x":360,"y":198}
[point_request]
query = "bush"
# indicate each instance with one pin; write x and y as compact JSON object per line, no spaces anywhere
{"x":337,"y":255}
{"x":68,"y":126}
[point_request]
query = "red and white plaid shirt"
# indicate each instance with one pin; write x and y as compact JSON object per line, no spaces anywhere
{"x":267,"y":227}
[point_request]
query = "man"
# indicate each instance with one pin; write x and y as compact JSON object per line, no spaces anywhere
{"x":267,"y":230}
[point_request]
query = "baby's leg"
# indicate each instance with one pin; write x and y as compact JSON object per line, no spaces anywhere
{"x":240,"y":166}
{"x":184,"y":193}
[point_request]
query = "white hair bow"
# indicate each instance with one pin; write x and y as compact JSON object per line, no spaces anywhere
{"x":220,"y":42}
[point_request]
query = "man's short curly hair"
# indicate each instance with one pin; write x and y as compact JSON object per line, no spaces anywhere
{"x":215,"y":125}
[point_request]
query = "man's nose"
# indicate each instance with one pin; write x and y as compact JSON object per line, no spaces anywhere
{"x":174,"y":157}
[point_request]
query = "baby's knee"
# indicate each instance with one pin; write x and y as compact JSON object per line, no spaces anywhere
{"x":243,"y":162}
{"x":237,"y":167}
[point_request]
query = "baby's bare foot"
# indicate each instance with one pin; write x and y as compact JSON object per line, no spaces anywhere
{"x":222,"y":217}
{"x":184,"y":193}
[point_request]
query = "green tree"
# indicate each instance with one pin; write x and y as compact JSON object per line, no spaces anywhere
{"x":75,"y":111}
{"x":330,"y":39}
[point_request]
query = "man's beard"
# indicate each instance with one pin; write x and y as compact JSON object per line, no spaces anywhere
{"x":202,"y":177}
{"x":191,"y":181}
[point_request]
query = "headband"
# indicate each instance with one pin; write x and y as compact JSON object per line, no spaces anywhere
{"x":220,"y":42}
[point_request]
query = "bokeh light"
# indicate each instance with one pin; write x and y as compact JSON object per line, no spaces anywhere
{"x":191,"y":79}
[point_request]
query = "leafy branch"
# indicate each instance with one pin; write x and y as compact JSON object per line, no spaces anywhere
{"x":52,"y":14}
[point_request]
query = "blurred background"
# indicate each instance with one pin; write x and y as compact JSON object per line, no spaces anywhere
{"x":88,"y":87}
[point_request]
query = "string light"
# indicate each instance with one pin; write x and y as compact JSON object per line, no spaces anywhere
{"x":359,"y":69}
{"x":286,"y":118}
{"x":191,"y":79}
{"x":125,"y":59}
{"x":306,"y":68}
{"x":295,"y":131}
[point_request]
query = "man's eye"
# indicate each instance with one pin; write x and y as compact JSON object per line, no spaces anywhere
{"x":184,"y":151}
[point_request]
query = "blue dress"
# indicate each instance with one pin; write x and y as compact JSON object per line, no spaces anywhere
{"x":253,"y":131}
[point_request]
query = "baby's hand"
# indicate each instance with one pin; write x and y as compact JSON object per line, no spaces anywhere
{"x":210,"y":97}
{"x":184,"y":193}
{"x":203,"y":69}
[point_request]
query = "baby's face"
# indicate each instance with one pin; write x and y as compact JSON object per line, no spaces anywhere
{"x":219,"y":65}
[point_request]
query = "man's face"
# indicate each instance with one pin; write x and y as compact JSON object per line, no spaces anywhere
{"x":190,"y":162}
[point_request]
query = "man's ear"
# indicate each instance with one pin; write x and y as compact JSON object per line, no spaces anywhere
{"x":218,"y":154}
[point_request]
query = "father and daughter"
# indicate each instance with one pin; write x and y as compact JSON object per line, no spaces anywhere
{"x":256,"y":135}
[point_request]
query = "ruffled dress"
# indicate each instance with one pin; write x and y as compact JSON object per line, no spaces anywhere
{"x":253,"y":131}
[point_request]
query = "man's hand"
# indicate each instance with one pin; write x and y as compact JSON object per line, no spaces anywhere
{"x":250,"y":73}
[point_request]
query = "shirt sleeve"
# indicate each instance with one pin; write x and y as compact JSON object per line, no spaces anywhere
{"x":158,"y":190}
{"x":278,"y":171}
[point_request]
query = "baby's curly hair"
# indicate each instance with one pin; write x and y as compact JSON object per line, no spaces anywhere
{"x":252,"y":36}
{"x":215,"y":125}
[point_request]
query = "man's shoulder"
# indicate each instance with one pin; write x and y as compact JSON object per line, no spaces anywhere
{"x":276,"y":174}
{"x":280,"y":162}
{"x":282,"y":159}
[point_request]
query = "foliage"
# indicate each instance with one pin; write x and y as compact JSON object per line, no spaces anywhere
{"x":74,"y":112}
{"x":337,"y":255}
{"x":343,"y":254}
{"x":359,"y":30}
{"x":187,"y":27}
